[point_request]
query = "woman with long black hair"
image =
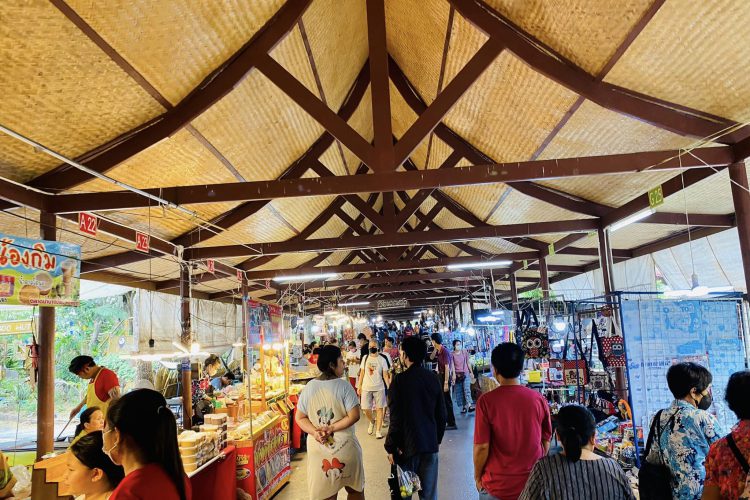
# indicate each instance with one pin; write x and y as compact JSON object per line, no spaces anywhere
{"x":577,"y":472}
{"x":141,"y":435}
{"x":90,"y":472}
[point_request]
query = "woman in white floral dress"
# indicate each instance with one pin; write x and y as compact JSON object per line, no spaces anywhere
{"x":327,"y":410}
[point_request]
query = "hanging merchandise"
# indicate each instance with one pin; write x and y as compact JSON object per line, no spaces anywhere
{"x":575,"y":372}
{"x":535,"y":342}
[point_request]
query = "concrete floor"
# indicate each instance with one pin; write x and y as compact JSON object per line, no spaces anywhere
{"x":455,"y":476}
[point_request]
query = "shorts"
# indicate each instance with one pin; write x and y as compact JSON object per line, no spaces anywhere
{"x":373,"y":399}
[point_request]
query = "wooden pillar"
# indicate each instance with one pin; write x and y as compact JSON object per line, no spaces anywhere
{"x":741,"y":197}
{"x":45,"y":411}
{"x":544,"y":278}
{"x":471,"y":308}
{"x":493,"y":300}
{"x":514,"y":294}
{"x":245,"y":340}
{"x":186,"y":339}
{"x":605,"y":260}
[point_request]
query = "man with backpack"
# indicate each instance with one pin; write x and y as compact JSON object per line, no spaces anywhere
{"x":374,"y":377}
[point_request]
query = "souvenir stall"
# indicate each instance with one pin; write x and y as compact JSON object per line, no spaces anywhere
{"x":263,"y":460}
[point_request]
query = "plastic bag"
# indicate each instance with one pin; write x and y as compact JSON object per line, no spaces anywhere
{"x":403,"y":484}
{"x":22,"y":489}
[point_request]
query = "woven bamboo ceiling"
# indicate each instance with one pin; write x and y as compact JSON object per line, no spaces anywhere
{"x":379,"y":141}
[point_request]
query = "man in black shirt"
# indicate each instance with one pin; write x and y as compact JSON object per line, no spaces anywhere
{"x":415,"y":400}
{"x":363,"y":345}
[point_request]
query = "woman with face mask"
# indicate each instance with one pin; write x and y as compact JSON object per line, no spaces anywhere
{"x":140,"y":434}
{"x":464,"y":378}
{"x":90,"y":472}
{"x":92,"y":420}
{"x":687,"y":430}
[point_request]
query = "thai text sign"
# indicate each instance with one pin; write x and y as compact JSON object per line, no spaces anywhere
{"x":39,"y":272}
{"x":15,"y":327}
{"x":392,"y":303}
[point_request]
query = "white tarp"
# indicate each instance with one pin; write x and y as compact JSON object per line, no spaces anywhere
{"x":215,"y":325}
{"x":716,"y":260}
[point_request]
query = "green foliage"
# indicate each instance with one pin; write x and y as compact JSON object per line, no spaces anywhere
{"x":87,"y":329}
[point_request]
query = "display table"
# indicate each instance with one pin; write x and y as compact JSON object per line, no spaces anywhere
{"x":217,"y":478}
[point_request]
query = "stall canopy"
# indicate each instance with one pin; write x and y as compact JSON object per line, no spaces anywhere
{"x":715,"y":261}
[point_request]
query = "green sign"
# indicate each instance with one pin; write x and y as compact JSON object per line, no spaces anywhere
{"x":525,"y":264}
{"x":655,"y":197}
{"x":551,"y":249}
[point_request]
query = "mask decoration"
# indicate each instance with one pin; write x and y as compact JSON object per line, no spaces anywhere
{"x":535,"y":343}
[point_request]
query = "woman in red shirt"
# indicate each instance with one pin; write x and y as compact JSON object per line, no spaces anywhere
{"x":141,"y":435}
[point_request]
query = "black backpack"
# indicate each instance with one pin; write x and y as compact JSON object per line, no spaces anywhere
{"x":655,"y":480}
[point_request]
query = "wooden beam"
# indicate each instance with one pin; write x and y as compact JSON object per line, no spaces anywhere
{"x":353,"y":292}
{"x":382,"y":266}
{"x":701,"y":161}
{"x":215,"y":86}
{"x":446,"y":99}
{"x":308,"y":101}
{"x":668,"y":116}
{"x":394,"y":239}
{"x":380,"y":87}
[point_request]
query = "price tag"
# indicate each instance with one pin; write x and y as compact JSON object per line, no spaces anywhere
{"x":87,"y":223}
{"x":142,"y":241}
{"x":655,"y":197}
{"x":211,"y":266}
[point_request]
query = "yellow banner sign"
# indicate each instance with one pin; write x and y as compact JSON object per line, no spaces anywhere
{"x":15,"y":327}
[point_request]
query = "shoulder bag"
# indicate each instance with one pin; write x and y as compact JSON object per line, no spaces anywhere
{"x":655,"y":480}
{"x":745,"y":495}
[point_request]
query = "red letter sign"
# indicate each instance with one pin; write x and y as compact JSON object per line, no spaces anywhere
{"x":87,"y":223}
{"x":210,"y":265}
{"x":239,"y":275}
{"x":142,"y":241}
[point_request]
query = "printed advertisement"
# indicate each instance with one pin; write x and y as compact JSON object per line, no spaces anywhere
{"x":272,"y":464}
{"x":39,"y":272}
{"x":264,"y":323}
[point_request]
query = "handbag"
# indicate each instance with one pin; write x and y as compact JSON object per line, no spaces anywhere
{"x":535,"y":343}
{"x":655,"y":480}
{"x":745,"y":495}
{"x":575,"y":372}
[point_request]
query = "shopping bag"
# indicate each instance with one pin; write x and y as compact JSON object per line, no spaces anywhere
{"x":403,"y":483}
{"x":614,"y":351}
{"x":575,"y":372}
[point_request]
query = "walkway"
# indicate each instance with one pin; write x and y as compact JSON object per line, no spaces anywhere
{"x":455,"y":478}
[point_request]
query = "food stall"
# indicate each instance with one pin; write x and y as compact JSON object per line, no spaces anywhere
{"x":262,"y":441}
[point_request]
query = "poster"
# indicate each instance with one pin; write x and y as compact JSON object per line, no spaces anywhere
{"x":660,"y":333}
{"x":38,"y":272}
{"x":272,"y":463}
{"x":264,"y":323}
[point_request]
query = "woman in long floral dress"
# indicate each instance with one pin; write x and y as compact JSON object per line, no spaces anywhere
{"x":327,"y":410}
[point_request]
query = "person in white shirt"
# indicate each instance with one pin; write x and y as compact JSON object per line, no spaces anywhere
{"x":374,"y":375}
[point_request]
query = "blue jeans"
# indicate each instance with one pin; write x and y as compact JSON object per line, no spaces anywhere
{"x":426,"y":467}
{"x":483,"y":495}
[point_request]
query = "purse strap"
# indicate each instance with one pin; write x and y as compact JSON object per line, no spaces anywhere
{"x":737,"y":453}
{"x":655,"y":424}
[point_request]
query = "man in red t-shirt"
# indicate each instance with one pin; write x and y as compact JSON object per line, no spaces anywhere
{"x":512,"y":429}
{"x":104,"y":387}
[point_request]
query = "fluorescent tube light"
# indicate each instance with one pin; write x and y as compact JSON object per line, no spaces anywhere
{"x":480,"y":265}
{"x":350,"y":304}
{"x":304,"y":277}
{"x":630,"y":220}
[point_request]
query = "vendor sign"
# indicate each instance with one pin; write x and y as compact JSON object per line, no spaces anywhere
{"x":272,"y":463}
{"x":38,"y":272}
{"x":15,"y":327}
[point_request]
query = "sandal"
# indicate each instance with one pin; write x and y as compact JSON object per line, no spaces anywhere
{"x":463,"y":410}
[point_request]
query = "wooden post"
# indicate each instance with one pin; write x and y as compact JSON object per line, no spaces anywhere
{"x":461,"y":311}
{"x":45,"y":410}
{"x":471,"y":308}
{"x":186,"y":339}
{"x":544,"y":276}
{"x":514,"y":294}
{"x":493,"y":300}
{"x":741,"y":197}
{"x":605,"y":260}
{"x":245,"y":340}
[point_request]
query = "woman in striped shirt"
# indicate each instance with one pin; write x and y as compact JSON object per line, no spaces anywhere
{"x":578,"y":472}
